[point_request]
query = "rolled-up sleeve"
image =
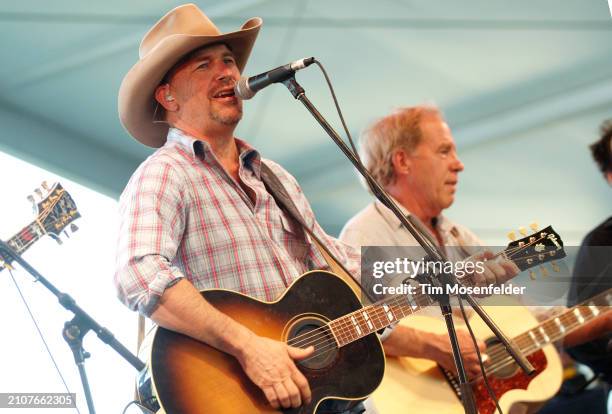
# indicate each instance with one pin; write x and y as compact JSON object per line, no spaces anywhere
{"x":152,"y":222}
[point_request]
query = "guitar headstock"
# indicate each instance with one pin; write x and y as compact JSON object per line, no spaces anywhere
{"x":542,"y":246}
{"x":55,"y":211}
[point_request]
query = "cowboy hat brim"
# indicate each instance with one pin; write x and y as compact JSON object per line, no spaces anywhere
{"x":136,"y":102}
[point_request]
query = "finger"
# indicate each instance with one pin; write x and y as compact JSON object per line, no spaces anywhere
{"x":300,"y":380}
{"x":510,"y":267}
{"x":482,"y":346}
{"x":282,"y":394}
{"x":499,"y":274}
{"x":478,"y":278}
{"x":300,"y":353}
{"x":271,"y":397}
{"x":294,"y":393}
{"x":489,"y":274}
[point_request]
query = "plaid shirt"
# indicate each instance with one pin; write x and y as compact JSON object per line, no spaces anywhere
{"x":182,"y":215}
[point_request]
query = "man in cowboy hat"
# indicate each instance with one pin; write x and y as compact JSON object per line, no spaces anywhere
{"x":196,"y":214}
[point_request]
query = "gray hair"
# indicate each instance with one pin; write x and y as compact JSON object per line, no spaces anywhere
{"x":399,"y":130}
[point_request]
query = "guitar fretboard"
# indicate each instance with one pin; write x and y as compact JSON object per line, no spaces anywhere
{"x":375,"y":317}
{"x":540,"y":247}
{"x":559,"y":326}
{"x":21,"y":241}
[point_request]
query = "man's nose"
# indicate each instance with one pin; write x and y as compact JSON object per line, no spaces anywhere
{"x":457,"y":164}
{"x":226,"y":74}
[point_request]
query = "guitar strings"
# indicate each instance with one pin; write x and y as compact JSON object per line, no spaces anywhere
{"x":41,"y":217}
{"x":528,"y":346}
{"x":569,"y":321}
{"x":321,"y":334}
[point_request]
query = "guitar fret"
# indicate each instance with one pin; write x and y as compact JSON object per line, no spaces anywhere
{"x":594,"y":309}
{"x":544,"y":334}
{"x":560,"y":325}
{"x":579,"y":316}
{"x":366,"y":317}
{"x":534,"y":339}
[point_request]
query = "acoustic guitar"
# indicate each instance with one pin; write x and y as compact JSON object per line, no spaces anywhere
{"x":185,"y":376}
{"x":428,"y":388}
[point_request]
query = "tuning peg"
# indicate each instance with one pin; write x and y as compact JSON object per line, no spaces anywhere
{"x":544,"y":271}
{"x":555,"y":267}
{"x":30,"y":198}
{"x":532,"y":275}
{"x":73,"y":227}
{"x":534,"y":226}
{"x":512,"y":236}
{"x":522,"y":230}
{"x":38,"y":192}
{"x":45,"y":186}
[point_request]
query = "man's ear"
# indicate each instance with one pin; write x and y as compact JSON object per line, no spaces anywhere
{"x":401,"y":162}
{"x":165,"y":98}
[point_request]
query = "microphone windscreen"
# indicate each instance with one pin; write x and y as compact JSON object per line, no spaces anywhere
{"x":242,"y":90}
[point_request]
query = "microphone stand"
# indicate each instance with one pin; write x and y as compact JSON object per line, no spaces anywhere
{"x":75,"y":329}
{"x":432,"y":252}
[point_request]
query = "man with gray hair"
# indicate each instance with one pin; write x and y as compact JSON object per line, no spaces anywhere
{"x":412,"y":155}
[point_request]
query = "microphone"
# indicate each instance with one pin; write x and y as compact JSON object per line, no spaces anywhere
{"x":246,"y":88}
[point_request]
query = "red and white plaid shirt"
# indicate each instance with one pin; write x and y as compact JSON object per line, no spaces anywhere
{"x":182,"y":215}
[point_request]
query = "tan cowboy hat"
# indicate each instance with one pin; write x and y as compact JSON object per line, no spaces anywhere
{"x":178,"y":33}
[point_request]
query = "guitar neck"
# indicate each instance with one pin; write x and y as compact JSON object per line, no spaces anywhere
{"x":362,"y":322}
{"x":559,"y":326}
{"x":25,"y":238}
{"x":378,"y":316}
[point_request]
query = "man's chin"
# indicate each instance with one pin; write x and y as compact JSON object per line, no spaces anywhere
{"x":227,"y":117}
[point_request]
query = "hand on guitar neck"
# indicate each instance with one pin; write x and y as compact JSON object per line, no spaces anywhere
{"x":497,"y":269}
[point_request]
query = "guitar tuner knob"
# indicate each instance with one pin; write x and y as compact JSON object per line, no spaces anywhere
{"x":522,"y":230}
{"x":532,"y":275}
{"x":45,"y":186}
{"x":38,"y":192}
{"x":512,"y":236}
{"x":544,"y":271}
{"x":73,"y":227}
{"x":534,"y":226}
{"x":555,"y":267}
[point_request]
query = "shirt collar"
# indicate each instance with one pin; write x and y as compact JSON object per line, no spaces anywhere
{"x":249,"y":157}
{"x":443,"y":225}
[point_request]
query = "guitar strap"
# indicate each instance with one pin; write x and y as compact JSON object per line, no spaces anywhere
{"x":284,"y":201}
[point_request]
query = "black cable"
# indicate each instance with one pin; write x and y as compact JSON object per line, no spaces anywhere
{"x":137,"y":403}
{"x":482,"y":368}
{"x":348,"y":134}
{"x":42,"y":337}
{"x":333,"y":94}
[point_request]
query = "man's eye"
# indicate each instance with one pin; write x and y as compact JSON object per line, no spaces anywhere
{"x":230,"y":60}
{"x":203,"y":65}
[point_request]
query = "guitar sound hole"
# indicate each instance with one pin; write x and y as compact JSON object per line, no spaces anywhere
{"x":314,"y":331}
{"x":499,"y":357}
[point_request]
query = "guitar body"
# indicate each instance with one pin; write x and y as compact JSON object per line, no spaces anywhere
{"x":420,"y":384}
{"x":190,"y":377}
